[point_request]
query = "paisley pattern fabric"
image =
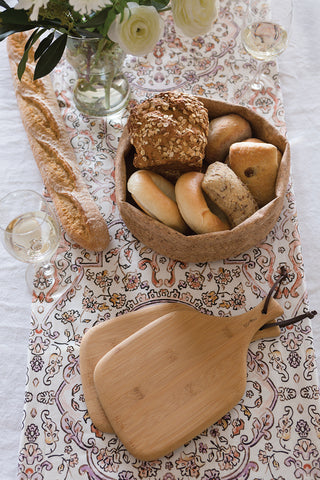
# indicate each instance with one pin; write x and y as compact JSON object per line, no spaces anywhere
{"x":274,"y":431}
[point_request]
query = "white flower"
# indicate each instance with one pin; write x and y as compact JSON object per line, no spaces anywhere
{"x":139,"y":30}
{"x":34,"y":4}
{"x":88,"y":6}
{"x":195,"y":17}
{"x":82,"y":6}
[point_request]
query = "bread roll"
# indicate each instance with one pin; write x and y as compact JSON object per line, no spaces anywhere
{"x":256,"y":164}
{"x":224,"y":188}
{"x":257,"y":140}
{"x":54,"y":155}
{"x":169,"y":133}
{"x":155,"y":195}
{"x":193,"y":206}
{"x":223,"y":131}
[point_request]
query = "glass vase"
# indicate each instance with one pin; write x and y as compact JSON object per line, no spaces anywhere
{"x":101,"y":88}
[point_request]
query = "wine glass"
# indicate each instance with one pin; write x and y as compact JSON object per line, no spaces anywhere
{"x":30,"y":232}
{"x":265,"y":32}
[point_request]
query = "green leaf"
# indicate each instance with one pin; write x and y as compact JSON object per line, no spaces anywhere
{"x":22,"y":64}
{"x":15,"y":17}
{"x":158,"y":4}
{"x":31,"y":40}
{"x":108,"y":22}
{"x":51,"y":57}
{"x":120,"y":6}
{"x":20,"y":19}
{"x":6,"y":30}
{"x":5,"y":35}
{"x":97,"y":19}
{"x":44,"y":44}
{"x":4,"y":4}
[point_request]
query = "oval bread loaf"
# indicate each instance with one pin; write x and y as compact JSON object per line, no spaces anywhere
{"x":225,"y":189}
{"x":54,"y":155}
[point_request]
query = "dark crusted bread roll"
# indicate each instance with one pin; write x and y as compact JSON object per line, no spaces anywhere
{"x":169,"y":133}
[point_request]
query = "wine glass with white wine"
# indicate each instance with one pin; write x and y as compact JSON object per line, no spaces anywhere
{"x":30,"y":232}
{"x":265,"y":32}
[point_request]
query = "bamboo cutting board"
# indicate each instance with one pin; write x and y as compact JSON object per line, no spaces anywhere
{"x":175,"y":377}
{"x":103,"y":337}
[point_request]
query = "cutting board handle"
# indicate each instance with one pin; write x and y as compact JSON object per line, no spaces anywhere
{"x":250,"y":322}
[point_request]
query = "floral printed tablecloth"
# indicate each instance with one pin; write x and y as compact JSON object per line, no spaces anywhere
{"x":274,"y":431}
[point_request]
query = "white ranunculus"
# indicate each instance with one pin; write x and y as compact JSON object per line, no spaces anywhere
{"x":34,"y":4}
{"x":88,"y":6}
{"x":139,"y":30}
{"x":195,"y":17}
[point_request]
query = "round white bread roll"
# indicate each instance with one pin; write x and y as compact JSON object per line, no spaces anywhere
{"x":193,"y":206}
{"x":155,"y":195}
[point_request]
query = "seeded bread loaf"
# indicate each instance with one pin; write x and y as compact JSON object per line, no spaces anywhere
{"x":169,"y":133}
{"x":54,"y":155}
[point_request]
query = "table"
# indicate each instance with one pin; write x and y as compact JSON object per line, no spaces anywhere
{"x":299,"y":80}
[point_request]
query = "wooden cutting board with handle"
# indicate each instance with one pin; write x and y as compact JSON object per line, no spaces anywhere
{"x":103,"y":337}
{"x":172,"y":379}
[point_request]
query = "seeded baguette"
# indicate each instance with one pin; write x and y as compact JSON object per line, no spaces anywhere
{"x":54,"y":155}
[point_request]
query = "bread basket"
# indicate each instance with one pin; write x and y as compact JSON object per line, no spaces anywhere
{"x":209,"y":246}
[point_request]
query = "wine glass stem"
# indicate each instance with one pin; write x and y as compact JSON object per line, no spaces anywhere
{"x":48,"y":269}
{"x":257,"y":82}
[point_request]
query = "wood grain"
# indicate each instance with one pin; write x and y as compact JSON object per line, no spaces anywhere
{"x":175,"y":377}
{"x":103,"y":337}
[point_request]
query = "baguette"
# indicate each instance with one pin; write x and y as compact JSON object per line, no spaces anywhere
{"x":54,"y":155}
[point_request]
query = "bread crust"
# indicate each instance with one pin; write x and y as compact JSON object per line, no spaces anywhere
{"x":223,"y":131}
{"x":256,"y":164}
{"x":225,"y":189}
{"x":155,"y":195}
{"x":193,"y":206}
{"x":54,"y":155}
{"x":169,"y":132}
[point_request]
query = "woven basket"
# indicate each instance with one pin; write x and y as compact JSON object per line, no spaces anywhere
{"x":210,"y":246}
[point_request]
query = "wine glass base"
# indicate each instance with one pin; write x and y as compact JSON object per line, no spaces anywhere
{"x":43,"y":282}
